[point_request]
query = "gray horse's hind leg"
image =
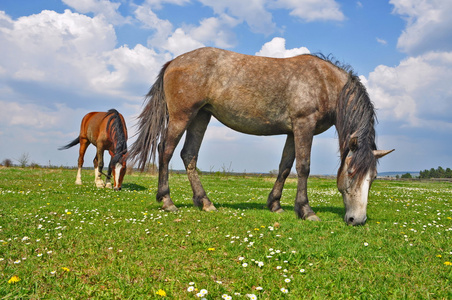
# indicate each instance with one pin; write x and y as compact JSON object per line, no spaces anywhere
{"x":287,"y":159}
{"x":194,"y":135}
{"x":166,"y":150}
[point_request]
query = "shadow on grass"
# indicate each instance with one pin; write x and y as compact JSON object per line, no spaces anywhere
{"x":134,"y":187}
{"x":340,"y":211}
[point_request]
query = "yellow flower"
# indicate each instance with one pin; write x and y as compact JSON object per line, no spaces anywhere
{"x":65,"y":269}
{"x":439,"y":255}
{"x":448,"y":263}
{"x":68,"y":213}
{"x":211,"y":249}
{"x":14,"y":279}
{"x":161,"y":293}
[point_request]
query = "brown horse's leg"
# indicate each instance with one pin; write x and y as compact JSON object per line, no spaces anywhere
{"x":83,"y":146}
{"x":166,"y":150}
{"x":287,"y":159}
{"x":194,"y":135}
{"x":98,"y":165}
{"x":303,"y":135}
{"x":110,"y":169}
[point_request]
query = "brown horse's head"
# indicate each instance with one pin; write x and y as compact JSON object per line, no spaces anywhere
{"x":355,"y":186}
{"x":119,"y":170}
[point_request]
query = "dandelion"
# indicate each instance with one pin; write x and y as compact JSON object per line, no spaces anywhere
{"x":65,"y":269}
{"x":448,"y":263}
{"x":211,"y":249}
{"x":161,"y":293}
{"x":284,"y":290}
{"x":68,"y":213}
{"x":14,"y":279}
{"x":439,"y":256}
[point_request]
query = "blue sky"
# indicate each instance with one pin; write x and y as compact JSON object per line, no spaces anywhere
{"x":60,"y":59}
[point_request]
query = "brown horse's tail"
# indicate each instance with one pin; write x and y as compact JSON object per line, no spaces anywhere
{"x":152,"y":124}
{"x":71,"y":144}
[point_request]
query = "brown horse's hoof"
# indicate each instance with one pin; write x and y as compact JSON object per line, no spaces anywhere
{"x":313,"y":218}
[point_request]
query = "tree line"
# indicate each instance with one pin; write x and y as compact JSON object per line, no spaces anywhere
{"x":440,"y":172}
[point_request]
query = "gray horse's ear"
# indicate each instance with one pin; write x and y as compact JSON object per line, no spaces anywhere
{"x":380,"y":153}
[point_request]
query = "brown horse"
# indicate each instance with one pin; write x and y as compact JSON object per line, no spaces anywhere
{"x":299,"y":96}
{"x":106,"y":131}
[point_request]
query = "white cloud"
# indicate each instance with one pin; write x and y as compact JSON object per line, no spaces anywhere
{"x":309,"y":10}
{"x":253,"y":12}
{"x":216,"y":30}
{"x":428,"y":25}
{"x":277,"y":48}
{"x":180,"y":42}
{"x":417,"y":92}
{"x":381,"y":41}
{"x":74,"y":52}
{"x":104,"y":8}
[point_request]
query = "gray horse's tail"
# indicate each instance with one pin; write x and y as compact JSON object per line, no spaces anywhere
{"x":71,"y":144}
{"x":152,"y":124}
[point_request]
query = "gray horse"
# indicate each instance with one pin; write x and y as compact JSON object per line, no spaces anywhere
{"x":299,"y":96}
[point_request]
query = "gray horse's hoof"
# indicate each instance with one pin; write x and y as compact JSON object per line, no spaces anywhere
{"x":209,"y":208}
{"x":170,"y":208}
{"x":313,"y":218}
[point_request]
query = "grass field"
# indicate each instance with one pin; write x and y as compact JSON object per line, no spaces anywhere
{"x":61,"y":241}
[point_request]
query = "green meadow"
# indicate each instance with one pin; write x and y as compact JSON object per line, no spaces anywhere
{"x":62,"y":241}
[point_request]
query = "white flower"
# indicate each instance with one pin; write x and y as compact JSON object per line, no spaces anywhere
{"x":259,"y":288}
{"x":302,"y":270}
{"x":260,"y":264}
{"x":53,"y":272}
{"x":244,"y":265}
{"x":278,"y":268}
{"x":287,"y":280}
{"x":241,"y":258}
{"x":284,"y":290}
{"x":17,"y":262}
{"x":252,"y":296}
{"x":190,"y":289}
{"x":191,"y":283}
{"x":226,"y":297}
{"x":366,"y":244}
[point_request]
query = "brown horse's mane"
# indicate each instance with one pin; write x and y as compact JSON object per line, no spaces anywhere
{"x":117,"y":133}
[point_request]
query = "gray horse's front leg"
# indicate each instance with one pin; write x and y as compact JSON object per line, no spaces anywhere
{"x":303,"y":136}
{"x":287,"y":159}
